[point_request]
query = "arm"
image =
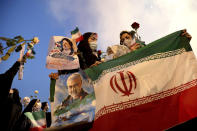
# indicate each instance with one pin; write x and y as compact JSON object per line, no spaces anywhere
{"x":7,"y":78}
{"x":12,"y":71}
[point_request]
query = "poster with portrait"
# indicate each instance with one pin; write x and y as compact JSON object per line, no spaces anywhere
{"x":74,"y":100}
{"x":62,"y":54}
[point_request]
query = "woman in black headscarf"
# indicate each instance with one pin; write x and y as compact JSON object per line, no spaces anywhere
{"x":12,"y":109}
{"x":87,"y":50}
{"x":23,"y":124}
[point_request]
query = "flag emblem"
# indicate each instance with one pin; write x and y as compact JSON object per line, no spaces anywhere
{"x":126,"y":83}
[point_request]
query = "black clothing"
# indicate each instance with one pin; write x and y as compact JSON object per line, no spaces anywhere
{"x":23,"y":124}
{"x":63,"y":72}
{"x":48,"y":118}
{"x":11,"y":106}
{"x":85,"y":53}
{"x":6,"y":80}
{"x":79,"y":126}
{"x":13,"y":111}
{"x":189,"y":125}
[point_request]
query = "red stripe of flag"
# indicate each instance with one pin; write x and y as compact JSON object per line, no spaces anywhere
{"x":40,"y":128}
{"x":157,"y":115}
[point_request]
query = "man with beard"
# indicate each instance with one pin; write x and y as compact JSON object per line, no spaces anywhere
{"x":75,"y":91}
{"x":45,"y":108}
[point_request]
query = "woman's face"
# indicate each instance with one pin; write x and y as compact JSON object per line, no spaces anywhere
{"x":66,"y":45}
{"x":124,"y":37}
{"x":46,"y":107}
{"x":92,"y":38}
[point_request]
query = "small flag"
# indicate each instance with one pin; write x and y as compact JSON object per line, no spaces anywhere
{"x":76,"y":35}
{"x":38,"y":120}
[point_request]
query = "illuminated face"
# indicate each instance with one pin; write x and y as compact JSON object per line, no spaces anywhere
{"x":26,"y":101}
{"x":11,"y":91}
{"x":74,"y":84}
{"x":93,"y":38}
{"x":46,"y":108}
{"x":66,"y":45}
{"x":124,"y":37}
{"x":37,"y":106}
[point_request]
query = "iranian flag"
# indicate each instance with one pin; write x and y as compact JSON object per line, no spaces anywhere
{"x":152,"y":88}
{"x":38,"y":120}
{"x":76,"y":35}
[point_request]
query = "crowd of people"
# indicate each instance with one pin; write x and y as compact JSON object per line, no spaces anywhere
{"x":88,"y":57}
{"x":13,"y":117}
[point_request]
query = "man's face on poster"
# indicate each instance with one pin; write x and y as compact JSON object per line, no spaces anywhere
{"x":74,"y":84}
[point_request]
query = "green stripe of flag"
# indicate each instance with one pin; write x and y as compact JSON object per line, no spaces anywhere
{"x":75,"y":31}
{"x":36,"y":115}
{"x":170,"y":42}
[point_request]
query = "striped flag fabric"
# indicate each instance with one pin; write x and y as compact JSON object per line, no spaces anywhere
{"x":152,"y":88}
{"x":38,"y":120}
{"x":76,"y":35}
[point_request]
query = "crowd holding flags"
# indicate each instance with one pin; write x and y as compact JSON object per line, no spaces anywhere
{"x":153,"y":88}
{"x":134,"y":86}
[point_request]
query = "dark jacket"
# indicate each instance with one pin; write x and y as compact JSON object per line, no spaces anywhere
{"x":6,"y":80}
{"x":23,"y":124}
{"x":11,"y":106}
{"x":13,"y":111}
{"x":48,"y":118}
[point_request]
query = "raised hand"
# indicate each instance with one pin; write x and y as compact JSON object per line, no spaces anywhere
{"x":186,"y":34}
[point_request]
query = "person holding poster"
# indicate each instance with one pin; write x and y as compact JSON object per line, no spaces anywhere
{"x":72,"y":95}
{"x":87,"y":48}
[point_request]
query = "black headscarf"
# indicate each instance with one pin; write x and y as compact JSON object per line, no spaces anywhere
{"x":15,"y":96}
{"x":43,"y":105}
{"x":87,"y":58}
{"x":84,"y":45}
{"x":23,"y":124}
{"x":30,"y":106}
